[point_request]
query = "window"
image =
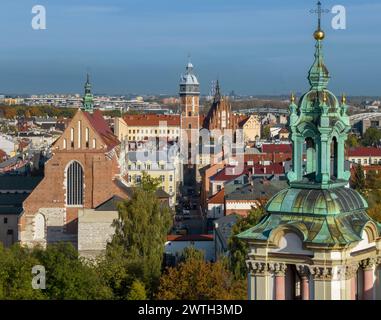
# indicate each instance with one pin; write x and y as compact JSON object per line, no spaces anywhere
{"x":190,"y":126}
{"x":138,"y":167}
{"x":219,"y":188}
{"x":171,"y":178}
{"x":138,"y":179}
{"x":170,"y":190}
{"x":64,"y":143}
{"x":162,"y":178}
{"x":74,"y":184}
{"x":5,"y":220}
{"x":129,"y":167}
{"x":79,"y":134}
{"x":129,"y":131}
{"x":94,"y":143}
{"x":72,"y":137}
{"x":189,"y":114}
{"x":359,"y":161}
{"x":129,"y":178}
{"x":365,"y":161}
{"x":87,"y":137}
{"x":162,"y":167}
{"x":148,"y":166}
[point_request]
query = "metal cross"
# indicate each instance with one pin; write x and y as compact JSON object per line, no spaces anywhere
{"x":319,"y":11}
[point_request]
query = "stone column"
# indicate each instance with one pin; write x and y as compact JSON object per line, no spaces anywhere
{"x":305,"y":285}
{"x":280,"y":280}
{"x":351,"y":274}
{"x":353,"y":288}
{"x":259,"y":280}
{"x":322,"y":277}
{"x":368,"y":267}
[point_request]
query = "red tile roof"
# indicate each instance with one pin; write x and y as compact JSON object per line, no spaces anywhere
{"x":277,"y":148}
{"x":276,"y":168}
{"x":218,"y":198}
{"x":190,"y":237}
{"x":364,"y":152}
{"x":224,"y":176}
{"x":100,"y":125}
{"x":149,"y":120}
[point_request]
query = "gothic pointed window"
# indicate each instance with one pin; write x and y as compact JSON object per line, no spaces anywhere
{"x":74,"y":184}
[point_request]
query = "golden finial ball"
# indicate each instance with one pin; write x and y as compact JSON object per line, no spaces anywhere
{"x":319,"y":35}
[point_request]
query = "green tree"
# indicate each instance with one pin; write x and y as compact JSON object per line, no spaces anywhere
{"x":238,"y":248}
{"x":352,"y":141}
{"x":358,"y":179}
{"x":266,"y":132}
{"x":195,"y":279}
{"x":373,"y":180}
{"x":70,"y":277}
{"x":372,"y":137}
{"x":137,"y":292}
{"x":16,"y":275}
{"x":140,"y":234}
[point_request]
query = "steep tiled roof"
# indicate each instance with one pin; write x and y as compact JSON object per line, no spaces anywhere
{"x":100,"y":125}
{"x":224,"y":176}
{"x":150,"y":120}
{"x":364,"y":152}
{"x":218,"y":198}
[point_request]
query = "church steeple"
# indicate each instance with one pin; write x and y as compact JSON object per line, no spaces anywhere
{"x":319,"y":126}
{"x":88,"y":99}
{"x":318,"y":75}
{"x":217,"y":95}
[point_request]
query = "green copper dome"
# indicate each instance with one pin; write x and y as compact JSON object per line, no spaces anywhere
{"x":317,"y":201}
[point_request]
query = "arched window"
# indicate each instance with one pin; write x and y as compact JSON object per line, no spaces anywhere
{"x":334,"y":160}
{"x":39,"y":227}
{"x":74,"y":184}
{"x":310,"y":156}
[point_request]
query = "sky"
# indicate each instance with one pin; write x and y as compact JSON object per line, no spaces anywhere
{"x":259,"y":47}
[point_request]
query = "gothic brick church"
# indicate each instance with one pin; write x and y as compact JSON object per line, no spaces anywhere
{"x":83,"y":173}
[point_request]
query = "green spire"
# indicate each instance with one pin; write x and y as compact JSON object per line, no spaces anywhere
{"x":318,"y":75}
{"x":88,"y":99}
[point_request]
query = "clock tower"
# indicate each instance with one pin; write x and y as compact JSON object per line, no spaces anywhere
{"x":190,"y":124}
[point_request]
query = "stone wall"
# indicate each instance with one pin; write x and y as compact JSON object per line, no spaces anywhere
{"x":94,"y":231}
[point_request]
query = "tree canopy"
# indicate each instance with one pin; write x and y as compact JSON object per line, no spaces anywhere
{"x":238,"y":249}
{"x":372,"y":137}
{"x":195,"y":279}
{"x":140,"y":234}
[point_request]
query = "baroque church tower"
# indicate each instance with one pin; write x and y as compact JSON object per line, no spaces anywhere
{"x":316,"y":240}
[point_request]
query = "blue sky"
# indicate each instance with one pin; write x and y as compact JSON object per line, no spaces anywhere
{"x":141,"y":46}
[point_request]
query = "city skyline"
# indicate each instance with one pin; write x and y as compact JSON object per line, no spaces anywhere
{"x":254,"y":48}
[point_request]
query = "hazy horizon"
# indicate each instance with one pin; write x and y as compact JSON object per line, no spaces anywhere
{"x":141,"y":46}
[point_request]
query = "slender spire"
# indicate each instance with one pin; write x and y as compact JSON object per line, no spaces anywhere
{"x":318,"y":75}
{"x":217,"y":95}
{"x":88,"y":99}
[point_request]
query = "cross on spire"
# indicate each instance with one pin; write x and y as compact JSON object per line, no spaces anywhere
{"x":319,"y":12}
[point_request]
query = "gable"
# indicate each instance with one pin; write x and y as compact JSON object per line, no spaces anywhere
{"x":86,"y":132}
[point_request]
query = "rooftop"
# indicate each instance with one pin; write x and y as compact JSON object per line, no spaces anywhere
{"x":364,"y":152}
{"x":154,"y":120}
